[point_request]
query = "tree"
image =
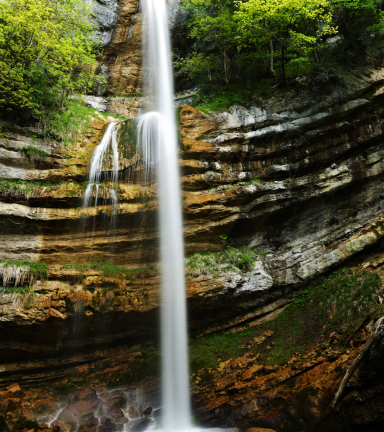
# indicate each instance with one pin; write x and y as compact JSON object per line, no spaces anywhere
{"x":47,"y":49}
{"x":287,"y":24}
{"x":213,"y":20}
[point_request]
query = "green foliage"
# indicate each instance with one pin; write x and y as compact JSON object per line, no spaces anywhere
{"x":34,"y":152}
{"x":47,"y":50}
{"x":213,"y":20}
{"x":209,"y":98}
{"x":230,"y":259}
{"x":66,"y":124}
{"x":38,"y":270}
{"x":21,"y":187}
{"x":18,"y":290}
{"x":245,"y":41}
{"x":253,"y":180}
{"x":336,"y":305}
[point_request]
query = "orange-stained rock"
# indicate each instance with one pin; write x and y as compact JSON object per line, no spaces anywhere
{"x":42,"y":406}
{"x":55,"y":313}
{"x":259,"y":430}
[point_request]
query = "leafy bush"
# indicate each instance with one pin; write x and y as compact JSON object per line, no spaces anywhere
{"x":47,"y":51}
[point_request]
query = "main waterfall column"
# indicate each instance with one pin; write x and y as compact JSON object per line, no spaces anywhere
{"x":158,"y":135}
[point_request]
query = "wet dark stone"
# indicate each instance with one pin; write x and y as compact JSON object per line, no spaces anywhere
{"x":148,"y":411}
{"x":116,"y":398}
{"x":140,"y":425}
{"x":89,"y":423}
{"x":85,"y":394}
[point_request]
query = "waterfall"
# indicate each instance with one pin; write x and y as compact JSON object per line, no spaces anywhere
{"x":158,"y":144}
{"x":96,"y":167}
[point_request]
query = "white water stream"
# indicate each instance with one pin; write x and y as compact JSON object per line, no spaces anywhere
{"x":96,"y":167}
{"x":158,"y":144}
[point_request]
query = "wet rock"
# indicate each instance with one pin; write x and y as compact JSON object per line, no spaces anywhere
{"x":116,"y":398}
{"x":67,"y":420}
{"x":117,"y":416}
{"x":85,"y":394}
{"x":82,"y":408}
{"x":42,"y":406}
{"x":62,"y":426}
{"x":29,"y":415}
{"x":11,"y":404}
{"x":16,"y":391}
{"x":105,"y":408}
{"x":106,"y":425}
{"x":140,"y":425}
{"x":105,"y":421}
{"x":133,"y":412}
{"x":89,"y":424}
{"x":148,"y":411}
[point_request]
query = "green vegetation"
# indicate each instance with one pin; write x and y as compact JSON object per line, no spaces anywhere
{"x":333,"y":307}
{"x":216,"y":263}
{"x":34,"y":152}
{"x":22,"y":187}
{"x":67,"y":124}
{"x":109,"y":270}
{"x":18,"y":290}
{"x":47,"y":51}
{"x":254,"y":180}
{"x":242,"y":44}
{"x":37,"y":270}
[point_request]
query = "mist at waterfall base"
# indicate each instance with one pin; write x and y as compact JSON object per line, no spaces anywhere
{"x":158,"y":144}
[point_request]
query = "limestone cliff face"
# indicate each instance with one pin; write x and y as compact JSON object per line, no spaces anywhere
{"x":297,"y":175}
{"x":120,"y":30}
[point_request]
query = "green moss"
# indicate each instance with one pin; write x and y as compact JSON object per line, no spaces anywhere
{"x":254,"y":180}
{"x":211,"y":100}
{"x":336,"y":305}
{"x":34,"y":151}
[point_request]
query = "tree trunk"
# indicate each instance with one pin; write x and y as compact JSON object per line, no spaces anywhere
{"x":227,"y":68}
{"x":271,"y":70}
{"x":283,"y":78}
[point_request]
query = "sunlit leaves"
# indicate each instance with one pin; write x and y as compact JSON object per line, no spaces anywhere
{"x":44,"y":40}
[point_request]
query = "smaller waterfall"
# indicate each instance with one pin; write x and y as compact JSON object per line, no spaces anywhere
{"x":96,"y":166}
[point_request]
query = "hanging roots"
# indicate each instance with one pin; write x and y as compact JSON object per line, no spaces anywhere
{"x":15,"y":275}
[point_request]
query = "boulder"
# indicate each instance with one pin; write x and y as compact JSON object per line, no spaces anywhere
{"x":116,"y":398}
{"x":68,"y":420}
{"x":82,"y":409}
{"x":42,"y":406}
{"x":89,"y":424}
{"x":16,"y":391}
{"x":148,"y":411}
{"x":140,"y":425}
{"x":62,"y":426}
{"x":117,"y":416}
{"x":133,"y":412}
{"x":105,"y":421}
{"x":11,"y":404}
{"x":106,"y":425}
{"x":85,"y":394}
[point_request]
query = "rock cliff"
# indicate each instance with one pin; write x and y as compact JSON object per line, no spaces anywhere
{"x":292,"y":182}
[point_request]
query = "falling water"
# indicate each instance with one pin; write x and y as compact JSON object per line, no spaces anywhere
{"x":158,"y":143}
{"x":96,"y":167}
